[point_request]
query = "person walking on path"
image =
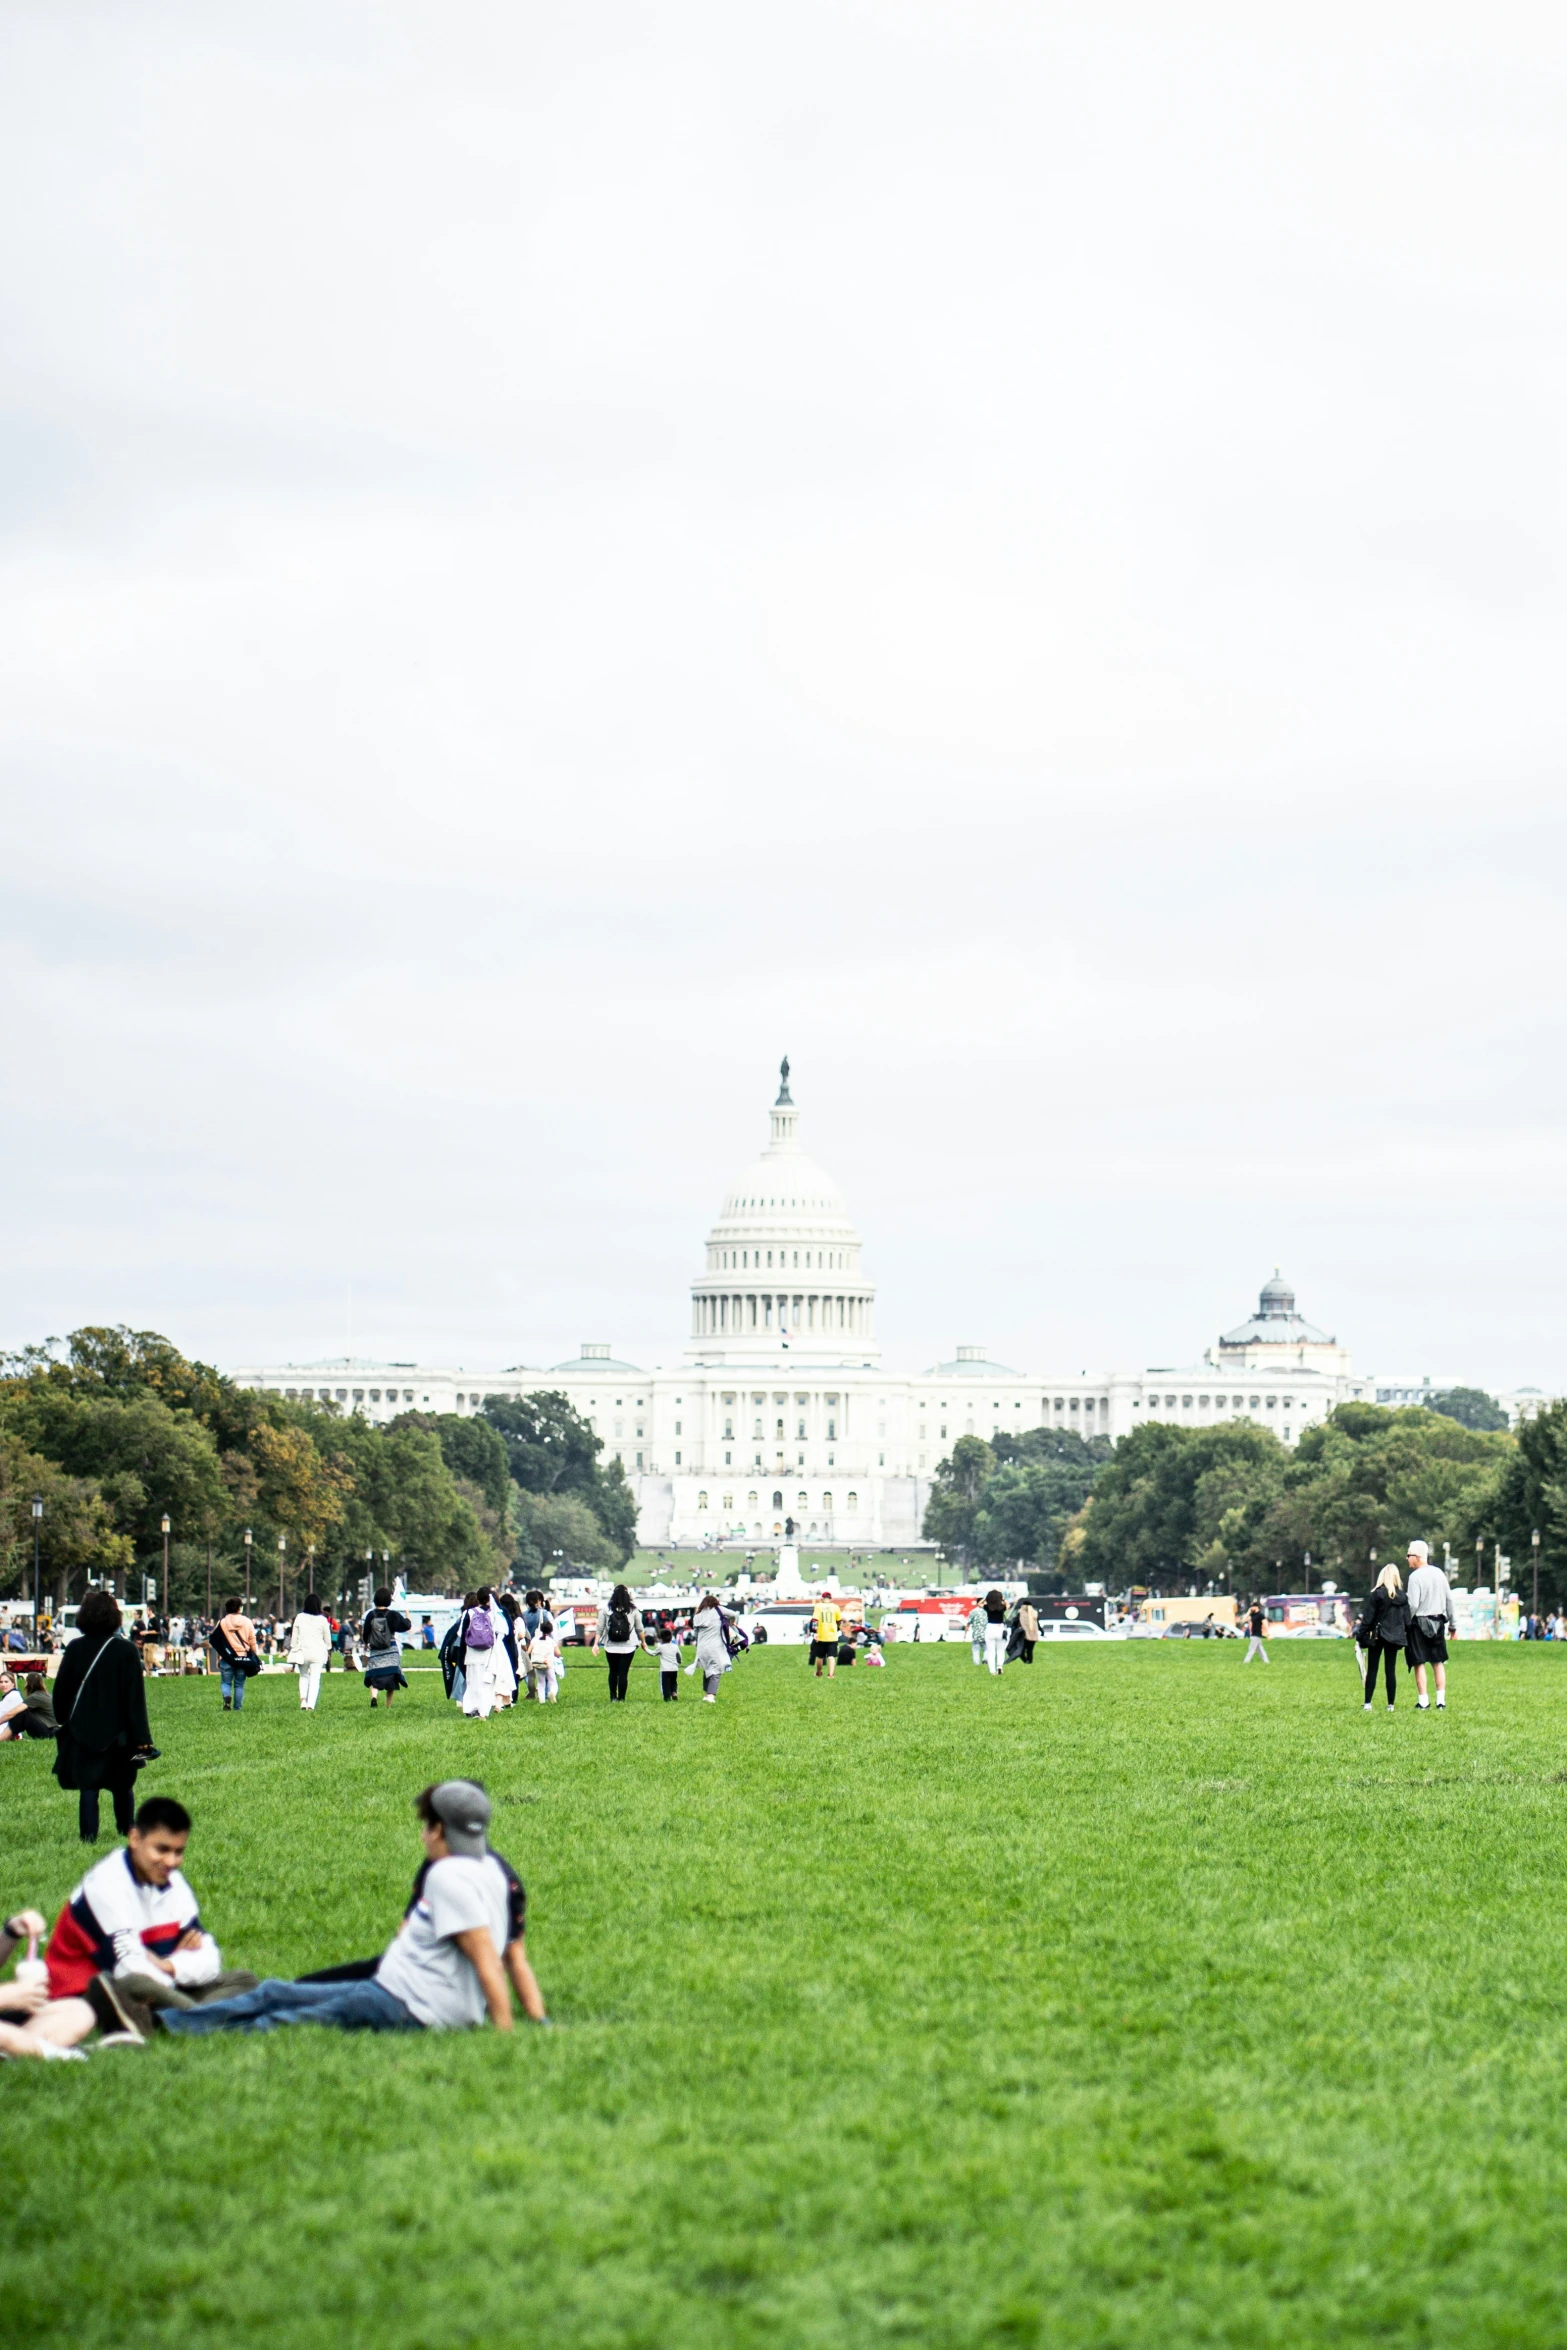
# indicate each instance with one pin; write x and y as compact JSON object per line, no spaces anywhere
{"x":1382,"y":1631}
{"x":975,"y":1628}
{"x":712,"y":1659}
{"x":100,"y":1702}
{"x":825,"y":1621}
{"x":621,"y":1633}
{"x":478,"y":1655}
{"x":383,"y":1628}
{"x":234,"y":1639}
{"x":1432,"y":1611}
{"x":309,"y":1646}
{"x":995,"y":1632}
{"x":1256,"y":1627}
{"x":669,"y":1663}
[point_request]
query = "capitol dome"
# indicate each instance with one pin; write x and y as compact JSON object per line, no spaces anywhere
{"x":782,"y":1273}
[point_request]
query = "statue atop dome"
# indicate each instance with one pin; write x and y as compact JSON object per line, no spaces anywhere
{"x":785,"y":1099}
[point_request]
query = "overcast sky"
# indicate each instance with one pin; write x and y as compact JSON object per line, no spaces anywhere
{"x":551,"y":555}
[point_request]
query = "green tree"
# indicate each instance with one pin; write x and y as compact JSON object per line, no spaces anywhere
{"x":1530,"y":1494}
{"x":955,"y":1490}
{"x":1471,"y":1407}
{"x":473,"y":1450}
{"x":1370,"y":1481}
{"x":78,"y":1536}
{"x":548,"y":1523}
{"x":1170,"y":1501}
{"x":550,"y":1449}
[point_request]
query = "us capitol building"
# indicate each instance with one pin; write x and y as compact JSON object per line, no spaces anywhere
{"x":781,"y":1410}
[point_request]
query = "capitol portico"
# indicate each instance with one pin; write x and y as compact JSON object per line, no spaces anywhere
{"x":781,"y":1410}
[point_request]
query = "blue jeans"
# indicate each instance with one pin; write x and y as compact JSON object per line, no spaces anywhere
{"x":233,"y":1681}
{"x":351,"y":2007}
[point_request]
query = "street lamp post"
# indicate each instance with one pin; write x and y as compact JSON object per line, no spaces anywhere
{"x":282,"y":1550}
{"x":1535,"y":1541}
{"x":38,"y":1519}
{"x":311,"y":1557}
{"x":165,"y":1566}
{"x":247,"y":1570}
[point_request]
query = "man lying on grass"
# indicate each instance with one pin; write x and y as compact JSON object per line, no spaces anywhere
{"x":447,"y":1966}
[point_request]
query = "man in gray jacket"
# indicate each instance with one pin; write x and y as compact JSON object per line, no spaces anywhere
{"x":1431,"y":1606}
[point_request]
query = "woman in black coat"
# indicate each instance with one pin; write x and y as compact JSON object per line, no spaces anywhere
{"x":100,"y":1702}
{"x":1383,"y":1630}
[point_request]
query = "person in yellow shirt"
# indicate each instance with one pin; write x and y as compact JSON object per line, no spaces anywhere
{"x":824,"y":1635}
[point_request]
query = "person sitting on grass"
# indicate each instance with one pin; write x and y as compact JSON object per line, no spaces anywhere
{"x":443,"y":1970}
{"x":134,"y":1918}
{"x":26,"y":1714}
{"x":31,"y":2024}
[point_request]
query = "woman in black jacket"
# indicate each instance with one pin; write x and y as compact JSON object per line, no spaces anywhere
{"x":1383,"y":1630}
{"x":100,"y":1702}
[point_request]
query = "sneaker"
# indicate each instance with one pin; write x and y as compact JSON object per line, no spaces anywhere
{"x":1441,"y":1705}
{"x":228,"y":1705}
{"x":374,"y":1702}
{"x":1422,"y":1705}
{"x":53,"y":2055}
{"x":709,"y":1701}
{"x":1366,"y":1708}
{"x":114,"y":2010}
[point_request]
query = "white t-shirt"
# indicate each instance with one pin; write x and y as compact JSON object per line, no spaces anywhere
{"x":669,"y":1656}
{"x":424,"y":1967}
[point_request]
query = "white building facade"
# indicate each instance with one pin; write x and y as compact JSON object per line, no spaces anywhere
{"x":781,"y":1417}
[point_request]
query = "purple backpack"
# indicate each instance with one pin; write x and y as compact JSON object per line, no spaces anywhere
{"x":480,"y":1632}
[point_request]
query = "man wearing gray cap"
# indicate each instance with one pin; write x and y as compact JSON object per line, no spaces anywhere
{"x":449,"y":1963}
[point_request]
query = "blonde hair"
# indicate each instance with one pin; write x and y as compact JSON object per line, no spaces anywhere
{"x":1390,"y":1579}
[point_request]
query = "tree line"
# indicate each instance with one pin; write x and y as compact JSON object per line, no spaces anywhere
{"x":115,"y":1428}
{"x":1232,"y":1506}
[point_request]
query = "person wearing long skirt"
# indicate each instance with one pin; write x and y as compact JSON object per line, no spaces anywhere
{"x":712,"y":1649}
{"x":479,"y":1644}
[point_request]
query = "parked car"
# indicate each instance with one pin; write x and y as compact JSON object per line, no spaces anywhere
{"x":1074,"y":1632}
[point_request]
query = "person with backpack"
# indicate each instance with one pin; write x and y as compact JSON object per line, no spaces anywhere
{"x":479,"y":1644}
{"x":1433,"y":1617}
{"x":234,"y":1644}
{"x":621,"y":1633}
{"x":383,"y":1651}
{"x":450,"y":1653}
{"x":1382,"y":1631}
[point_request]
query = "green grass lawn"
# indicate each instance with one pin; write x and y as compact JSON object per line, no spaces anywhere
{"x":1142,"y":1998}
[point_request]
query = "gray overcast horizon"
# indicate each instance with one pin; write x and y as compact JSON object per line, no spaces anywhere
{"x":549,"y":556}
